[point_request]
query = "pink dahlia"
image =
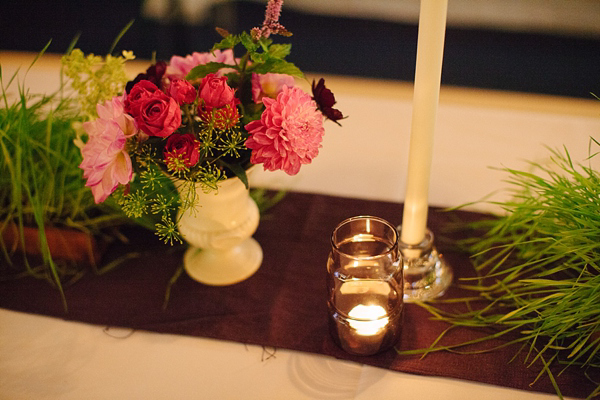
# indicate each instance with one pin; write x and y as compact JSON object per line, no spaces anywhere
{"x":105,"y":163}
{"x":179,"y":66}
{"x":289,"y":132}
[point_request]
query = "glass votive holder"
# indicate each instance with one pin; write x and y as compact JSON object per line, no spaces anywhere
{"x":365,"y":286}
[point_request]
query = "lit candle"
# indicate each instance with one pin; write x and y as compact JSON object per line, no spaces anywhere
{"x":430,"y":51}
{"x":368,"y":319}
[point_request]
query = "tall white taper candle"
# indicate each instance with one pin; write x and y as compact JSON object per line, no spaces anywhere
{"x":430,"y":51}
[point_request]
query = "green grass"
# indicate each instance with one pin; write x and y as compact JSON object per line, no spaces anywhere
{"x":40,"y":181}
{"x":538,"y":270}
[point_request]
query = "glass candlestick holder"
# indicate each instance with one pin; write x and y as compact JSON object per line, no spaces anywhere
{"x":364,"y":283}
{"x":426,"y":274}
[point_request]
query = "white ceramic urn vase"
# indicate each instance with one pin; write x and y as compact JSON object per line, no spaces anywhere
{"x":219,"y":231}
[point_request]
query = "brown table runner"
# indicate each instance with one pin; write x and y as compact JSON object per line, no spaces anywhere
{"x":284,"y":304}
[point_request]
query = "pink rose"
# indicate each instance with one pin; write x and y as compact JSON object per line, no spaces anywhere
{"x":214,"y":91}
{"x":140,"y":91}
{"x":182,"y":91}
{"x":159,"y":115}
{"x":269,"y":85}
{"x":179,"y":66}
{"x":181,"y":151}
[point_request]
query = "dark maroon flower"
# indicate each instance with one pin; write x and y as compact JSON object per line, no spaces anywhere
{"x":154,"y":74}
{"x":325,"y":101}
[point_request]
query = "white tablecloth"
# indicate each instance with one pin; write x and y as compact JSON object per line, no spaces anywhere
{"x":48,"y":358}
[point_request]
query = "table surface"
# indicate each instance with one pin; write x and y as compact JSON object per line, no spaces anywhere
{"x":48,"y":358}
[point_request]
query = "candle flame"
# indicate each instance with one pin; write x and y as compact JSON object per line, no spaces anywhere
{"x":368,"y":320}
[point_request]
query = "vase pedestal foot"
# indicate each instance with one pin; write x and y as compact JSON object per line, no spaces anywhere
{"x":221,"y":267}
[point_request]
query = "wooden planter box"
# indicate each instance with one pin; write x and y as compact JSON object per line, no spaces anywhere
{"x":64,"y":243}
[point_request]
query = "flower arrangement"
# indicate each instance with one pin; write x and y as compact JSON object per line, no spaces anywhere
{"x":199,"y":119}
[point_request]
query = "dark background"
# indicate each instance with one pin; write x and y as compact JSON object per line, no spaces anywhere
{"x":528,"y":62}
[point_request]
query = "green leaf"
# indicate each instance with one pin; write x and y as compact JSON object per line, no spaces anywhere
{"x":120,"y":35}
{"x":252,"y":112}
{"x":238,"y":170}
{"x":38,"y":55}
{"x":259,"y":58}
{"x":248,"y":43}
{"x":278,"y":66}
{"x":72,"y":44}
{"x":280,"y":50}
{"x":275,"y":51}
{"x":227,"y":42}
{"x":200,"y":71}
{"x":265,"y":43}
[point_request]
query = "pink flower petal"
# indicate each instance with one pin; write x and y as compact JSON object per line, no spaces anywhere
{"x":289,"y":132}
{"x":105,"y":163}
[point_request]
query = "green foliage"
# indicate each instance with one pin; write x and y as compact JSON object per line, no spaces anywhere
{"x":200,"y":71}
{"x":95,"y":78}
{"x":40,"y":182}
{"x":152,"y":201}
{"x":539,"y":268}
{"x":277,"y":66}
{"x":266,"y":57}
{"x":280,"y":50}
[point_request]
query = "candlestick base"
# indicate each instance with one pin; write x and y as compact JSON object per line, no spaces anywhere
{"x":426,"y":274}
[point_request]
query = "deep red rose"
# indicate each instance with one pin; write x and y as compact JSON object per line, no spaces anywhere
{"x":325,"y":101}
{"x":159,"y":115}
{"x":182,"y":91}
{"x":214,"y":91}
{"x":181,"y":150}
{"x":139,"y":92}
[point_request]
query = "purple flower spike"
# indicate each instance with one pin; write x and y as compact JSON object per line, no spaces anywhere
{"x":271,"y":24}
